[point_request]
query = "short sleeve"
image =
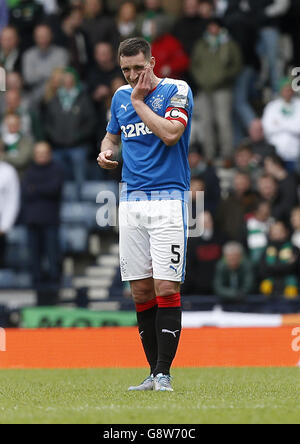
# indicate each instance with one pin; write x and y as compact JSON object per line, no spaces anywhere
{"x":179,"y":103}
{"x":113,"y":126}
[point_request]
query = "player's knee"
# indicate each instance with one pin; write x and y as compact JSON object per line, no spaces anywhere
{"x":142,"y":292}
{"x":142,"y":297}
{"x":166,"y":288}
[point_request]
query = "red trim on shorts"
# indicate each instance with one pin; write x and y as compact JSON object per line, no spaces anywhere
{"x":174,"y":300}
{"x":146,"y":306}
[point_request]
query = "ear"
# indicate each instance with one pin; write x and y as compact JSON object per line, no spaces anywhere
{"x":152,"y":62}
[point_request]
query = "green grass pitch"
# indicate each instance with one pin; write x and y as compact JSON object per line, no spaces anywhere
{"x":100,"y":396}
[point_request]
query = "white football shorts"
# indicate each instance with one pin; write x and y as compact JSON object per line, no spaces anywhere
{"x":153,"y":239}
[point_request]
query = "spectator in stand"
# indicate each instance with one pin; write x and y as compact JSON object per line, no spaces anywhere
{"x":268,"y":14}
{"x":10,"y":54}
{"x":25,"y":15}
{"x":244,"y":30}
{"x":279,"y":267}
{"x":171,"y":59}
{"x":190,"y":27}
{"x":234,"y":278}
{"x":18,"y":148}
{"x":295,"y":224}
{"x":42,"y":190}
{"x":260,"y":18}
{"x":287,"y":183}
{"x":97,"y":26}
{"x":69,"y":126}
{"x":257,"y":142}
{"x":103,"y":71}
{"x":126,"y":20}
{"x":14,"y":82}
{"x":9,"y":201}
{"x":200,"y":168}
{"x":40,"y":61}
{"x":153,"y":9}
{"x":291,"y":27}
{"x":71,"y":37}
{"x":53,"y":84}
{"x":30,"y":122}
{"x":268,"y":189}
{"x":196,"y":158}
{"x":246,"y":162}
{"x":100,"y":78}
{"x":233,"y":210}
{"x":257,"y":231}
{"x":216,"y":61}
{"x":202,"y":256}
{"x":197,"y":186}
{"x":281,"y":124}
{"x":207,"y":11}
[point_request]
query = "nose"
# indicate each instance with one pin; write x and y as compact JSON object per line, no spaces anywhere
{"x":133,"y":76}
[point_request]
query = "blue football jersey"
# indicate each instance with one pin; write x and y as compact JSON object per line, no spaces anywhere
{"x":148,"y":164}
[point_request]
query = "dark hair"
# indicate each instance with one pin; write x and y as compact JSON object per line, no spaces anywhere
{"x":260,"y":203}
{"x":198,"y":177}
{"x":277,"y":160}
{"x":132,"y":47}
{"x":214,"y":20}
{"x":267,"y":176}
{"x":281,"y":222}
{"x":196,"y":147}
{"x":69,"y":10}
{"x":244,"y":147}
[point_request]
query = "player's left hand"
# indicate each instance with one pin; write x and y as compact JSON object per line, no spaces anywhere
{"x":143,"y":86}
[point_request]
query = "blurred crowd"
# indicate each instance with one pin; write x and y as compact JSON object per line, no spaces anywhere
{"x":61,"y":72}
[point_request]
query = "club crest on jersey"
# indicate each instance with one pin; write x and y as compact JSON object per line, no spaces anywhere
{"x":157,"y":102}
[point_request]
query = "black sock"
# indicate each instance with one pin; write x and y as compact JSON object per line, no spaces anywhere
{"x":168,"y":329}
{"x":146,"y":323}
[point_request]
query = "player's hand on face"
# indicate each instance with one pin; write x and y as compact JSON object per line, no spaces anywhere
{"x":104,"y":160}
{"x":143,"y":86}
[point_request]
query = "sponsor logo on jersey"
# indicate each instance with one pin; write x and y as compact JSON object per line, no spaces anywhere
{"x":135,"y":130}
{"x":125,"y":106}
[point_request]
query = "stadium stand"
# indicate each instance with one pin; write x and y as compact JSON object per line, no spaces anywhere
{"x":247,"y":96}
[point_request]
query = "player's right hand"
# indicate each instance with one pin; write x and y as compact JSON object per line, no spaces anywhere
{"x":105,"y":162}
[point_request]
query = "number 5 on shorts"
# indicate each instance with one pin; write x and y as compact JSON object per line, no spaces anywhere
{"x":176,"y":253}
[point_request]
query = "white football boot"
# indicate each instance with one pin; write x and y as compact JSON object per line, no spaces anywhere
{"x":147,"y":384}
